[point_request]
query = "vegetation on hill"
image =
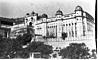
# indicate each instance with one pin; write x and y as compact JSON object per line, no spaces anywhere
{"x":76,"y":51}
{"x":13,"y":48}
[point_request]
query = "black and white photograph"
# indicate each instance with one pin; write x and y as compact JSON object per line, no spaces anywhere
{"x":48,"y":29}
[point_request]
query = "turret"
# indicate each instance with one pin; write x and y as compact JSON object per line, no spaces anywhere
{"x":31,"y":18}
{"x":59,"y":13}
{"x":78,"y":11}
{"x":79,"y":19}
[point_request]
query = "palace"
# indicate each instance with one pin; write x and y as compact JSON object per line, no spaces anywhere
{"x":77,"y":24}
{"x":76,"y":27}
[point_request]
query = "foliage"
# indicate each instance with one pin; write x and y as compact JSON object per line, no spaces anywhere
{"x":75,"y":51}
{"x":48,"y":49}
{"x":54,"y":55}
{"x":93,"y":56}
{"x":32,"y":46}
{"x":23,"y":40}
{"x":39,"y":47}
{"x":10,"y":47}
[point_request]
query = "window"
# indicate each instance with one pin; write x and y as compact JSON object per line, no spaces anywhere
{"x":75,"y":30}
{"x":83,"y":30}
{"x":72,"y":23}
{"x":63,"y":24}
{"x":72,"y":33}
{"x":77,"y":19}
{"x":32,"y":18}
{"x":69,"y":34}
{"x":50,"y":26}
{"x":30,"y":24}
{"x":47,"y":26}
{"x":39,"y":28}
{"x":66,"y":24}
{"x":75,"y":23}
{"x":69,"y":24}
{"x":26,"y":19}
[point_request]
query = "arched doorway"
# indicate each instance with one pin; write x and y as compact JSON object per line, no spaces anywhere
{"x":30,"y":23}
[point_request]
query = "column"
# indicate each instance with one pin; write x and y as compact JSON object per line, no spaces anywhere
{"x":59,"y":29}
{"x":74,"y":29}
{"x":68,"y":30}
{"x":65,"y":28}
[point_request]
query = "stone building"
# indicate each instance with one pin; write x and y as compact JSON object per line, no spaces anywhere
{"x":78,"y":26}
{"x":7,"y":24}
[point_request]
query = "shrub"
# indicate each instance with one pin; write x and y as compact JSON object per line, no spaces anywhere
{"x":75,"y":51}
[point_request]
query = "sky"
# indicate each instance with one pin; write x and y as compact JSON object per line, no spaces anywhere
{"x":19,"y":8}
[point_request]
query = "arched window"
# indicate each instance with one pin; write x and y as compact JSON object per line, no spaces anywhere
{"x":69,"y":24}
{"x":66,"y":24}
{"x":75,"y":23}
{"x":30,"y":24}
{"x":72,"y":24}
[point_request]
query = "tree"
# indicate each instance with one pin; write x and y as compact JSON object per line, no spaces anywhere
{"x":10,"y":48}
{"x":48,"y":49}
{"x":75,"y":51}
{"x":18,"y":44}
{"x":32,"y":46}
{"x":13,"y":48}
{"x":45,"y":50}
{"x":23,"y":40}
{"x":5,"y":47}
{"x":93,"y":56}
{"x":40,"y":47}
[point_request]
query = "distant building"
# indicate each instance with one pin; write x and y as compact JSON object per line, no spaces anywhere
{"x":6,"y":25}
{"x":78,"y":26}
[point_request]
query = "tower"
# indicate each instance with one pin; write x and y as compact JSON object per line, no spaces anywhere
{"x":44,"y":27}
{"x":59,"y":14}
{"x":31,"y":19}
{"x":79,"y":19}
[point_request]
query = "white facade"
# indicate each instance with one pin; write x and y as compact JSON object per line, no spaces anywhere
{"x":74,"y":24}
{"x":77,"y":25}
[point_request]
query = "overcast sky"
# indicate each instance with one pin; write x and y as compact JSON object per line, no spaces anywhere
{"x":18,"y":8}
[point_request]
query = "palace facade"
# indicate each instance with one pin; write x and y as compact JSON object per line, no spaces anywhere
{"x":76,"y":27}
{"x":76,"y":24}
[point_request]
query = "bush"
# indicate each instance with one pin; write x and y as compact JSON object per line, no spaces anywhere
{"x":75,"y":51}
{"x":13,"y":48}
{"x":9,"y":48}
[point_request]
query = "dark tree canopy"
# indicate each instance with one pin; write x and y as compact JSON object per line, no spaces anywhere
{"x":13,"y":48}
{"x":75,"y":51}
{"x":39,"y":47}
{"x":23,"y":40}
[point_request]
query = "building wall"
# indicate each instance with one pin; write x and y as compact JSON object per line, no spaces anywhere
{"x":77,"y":26}
{"x":74,"y":25}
